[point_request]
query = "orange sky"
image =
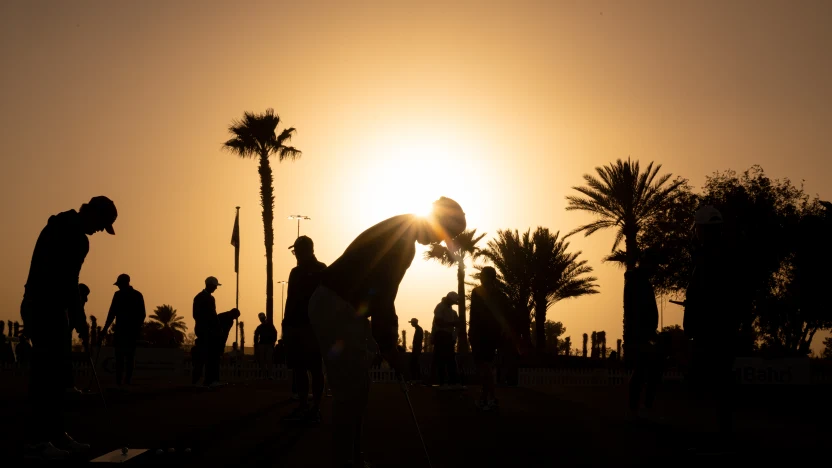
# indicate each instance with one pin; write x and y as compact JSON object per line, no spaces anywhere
{"x":501,"y":106}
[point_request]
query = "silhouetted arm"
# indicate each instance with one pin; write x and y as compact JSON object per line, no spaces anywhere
{"x":111,"y":315}
{"x":142,"y":309}
{"x":257,"y":333}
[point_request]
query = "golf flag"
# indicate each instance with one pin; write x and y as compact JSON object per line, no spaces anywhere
{"x":235,"y":241}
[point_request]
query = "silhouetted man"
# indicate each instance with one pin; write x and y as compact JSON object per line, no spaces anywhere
{"x":51,"y":306}
{"x":416,"y":353}
{"x":444,"y":323}
{"x":488,"y":329}
{"x":128,"y":310}
{"x":710,"y":322}
{"x":640,"y":339}
{"x":303,"y":350}
{"x":211,"y":335}
{"x":360,"y":284}
{"x":265,"y":337}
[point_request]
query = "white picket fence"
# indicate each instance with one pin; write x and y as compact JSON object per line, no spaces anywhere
{"x":537,"y":377}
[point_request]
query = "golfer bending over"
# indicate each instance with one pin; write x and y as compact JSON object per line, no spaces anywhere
{"x":362,"y":284}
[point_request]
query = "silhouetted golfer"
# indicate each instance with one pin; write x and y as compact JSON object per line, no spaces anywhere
{"x":416,"y":351}
{"x":211,"y":335}
{"x":710,"y":322}
{"x":641,"y":338}
{"x":304,"y":353}
{"x":488,"y":329}
{"x":360,"y":284}
{"x":51,"y":306}
{"x":128,"y":310}
{"x":265,"y":337}
{"x":444,"y":323}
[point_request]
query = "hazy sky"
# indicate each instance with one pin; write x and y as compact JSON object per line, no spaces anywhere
{"x":502,"y":106}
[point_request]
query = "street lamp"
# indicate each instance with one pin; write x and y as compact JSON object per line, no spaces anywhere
{"x":299,"y":217}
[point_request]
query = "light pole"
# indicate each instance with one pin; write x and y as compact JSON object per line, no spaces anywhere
{"x":282,"y":304}
{"x":299,"y":217}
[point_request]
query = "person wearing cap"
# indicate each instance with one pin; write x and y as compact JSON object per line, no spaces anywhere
{"x":303,"y":352}
{"x":51,"y":306}
{"x":416,"y":351}
{"x":362,"y":284}
{"x":210,"y":335}
{"x":265,"y":337}
{"x":128,"y":310}
{"x":490,"y":314}
{"x":444,"y":324}
{"x":709,"y":321}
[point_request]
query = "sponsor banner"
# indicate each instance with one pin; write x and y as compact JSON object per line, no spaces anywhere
{"x":758,"y":371}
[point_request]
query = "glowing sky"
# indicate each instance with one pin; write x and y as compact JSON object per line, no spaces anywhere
{"x":502,"y":106}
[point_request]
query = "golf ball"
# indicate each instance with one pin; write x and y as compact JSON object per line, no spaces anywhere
{"x":124,"y":450}
{"x":159,"y":451}
{"x":171,"y":450}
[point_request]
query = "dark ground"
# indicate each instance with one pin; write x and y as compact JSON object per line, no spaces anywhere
{"x":572,"y":426}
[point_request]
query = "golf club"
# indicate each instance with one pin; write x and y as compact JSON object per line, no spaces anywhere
{"x":415,"y":422}
{"x":94,"y":364}
{"x":98,"y":384}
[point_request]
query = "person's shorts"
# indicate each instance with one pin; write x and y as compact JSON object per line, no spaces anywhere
{"x":265,"y":353}
{"x":485,"y":349}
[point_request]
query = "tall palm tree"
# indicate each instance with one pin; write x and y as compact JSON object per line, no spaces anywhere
{"x":171,"y":323}
{"x":539,"y":272}
{"x":464,"y":246}
{"x":625,"y":198}
{"x":254,"y":136}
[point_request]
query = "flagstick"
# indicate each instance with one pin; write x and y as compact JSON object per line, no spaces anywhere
{"x":237,"y":297}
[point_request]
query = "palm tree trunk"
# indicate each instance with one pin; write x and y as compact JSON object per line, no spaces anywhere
{"x":463,"y":329}
{"x":631,"y":245}
{"x":267,"y":201}
{"x":540,"y":325}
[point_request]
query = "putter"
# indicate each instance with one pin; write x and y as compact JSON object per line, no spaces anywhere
{"x":415,"y":422}
{"x":98,"y":384}
{"x":94,"y":364}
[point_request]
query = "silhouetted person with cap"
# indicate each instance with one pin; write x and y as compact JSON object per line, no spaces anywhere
{"x":488,"y":329}
{"x":265,"y":337}
{"x":363,"y":284}
{"x":416,"y":350}
{"x":444,"y":323}
{"x":128,"y":311}
{"x":51,"y":306}
{"x":710,"y":322}
{"x":641,"y":338}
{"x":304,"y":353}
{"x":210,"y":335}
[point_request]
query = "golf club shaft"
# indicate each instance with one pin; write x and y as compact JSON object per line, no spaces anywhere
{"x":98,"y":384}
{"x":415,"y":422}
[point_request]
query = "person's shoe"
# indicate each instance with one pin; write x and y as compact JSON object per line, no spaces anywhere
{"x":70,"y":445}
{"x":298,"y":414}
{"x":44,"y":451}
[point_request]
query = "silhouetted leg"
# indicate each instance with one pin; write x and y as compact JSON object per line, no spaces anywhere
{"x":415,"y":372}
{"x":212,"y":365}
{"x":317,"y":371}
{"x":198,"y":361}
{"x":50,"y":354}
{"x":453,"y":377}
{"x":119,"y":364}
{"x":130,"y":360}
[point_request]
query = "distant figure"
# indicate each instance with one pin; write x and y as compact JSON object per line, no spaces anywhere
{"x":84,"y":291}
{"x":444,"y":323}
{"x":640,"y":341}
{"x":488,"y":329}
{"x":416,"y":353}
{"x":360,"y":284}
{"x":710,"y":322}
{"x":265,"y":337}
{"x":23,"y":351}
{"x":6,"y":352}
{"x":51,"y":306}
{"x":211,"y":335}
{"x":128,"y":310}
{"x":304,"y":353}
{"x":280,"y":353}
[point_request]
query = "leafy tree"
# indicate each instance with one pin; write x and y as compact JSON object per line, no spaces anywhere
{"x":254,"y":136}
{"x":827,"y":348}
{"x":464,"y":246}
{"x":539,"y":272}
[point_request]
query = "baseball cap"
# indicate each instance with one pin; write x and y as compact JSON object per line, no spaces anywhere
{"x":106,"y":210}
{"x":707,"y":215}
{"x":303,"y":242}
{"x":414,"y":320}
{"x":212,"y":281}
{"x":123,"y":278}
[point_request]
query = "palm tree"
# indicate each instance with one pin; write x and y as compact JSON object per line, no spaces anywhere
{"x":586,"y":337}
{"x":462,"y":247}
{"x":254,"y":136}
{"x":543,"y":272}
{"x":625,"y":198}
{"x":172,"y":324}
